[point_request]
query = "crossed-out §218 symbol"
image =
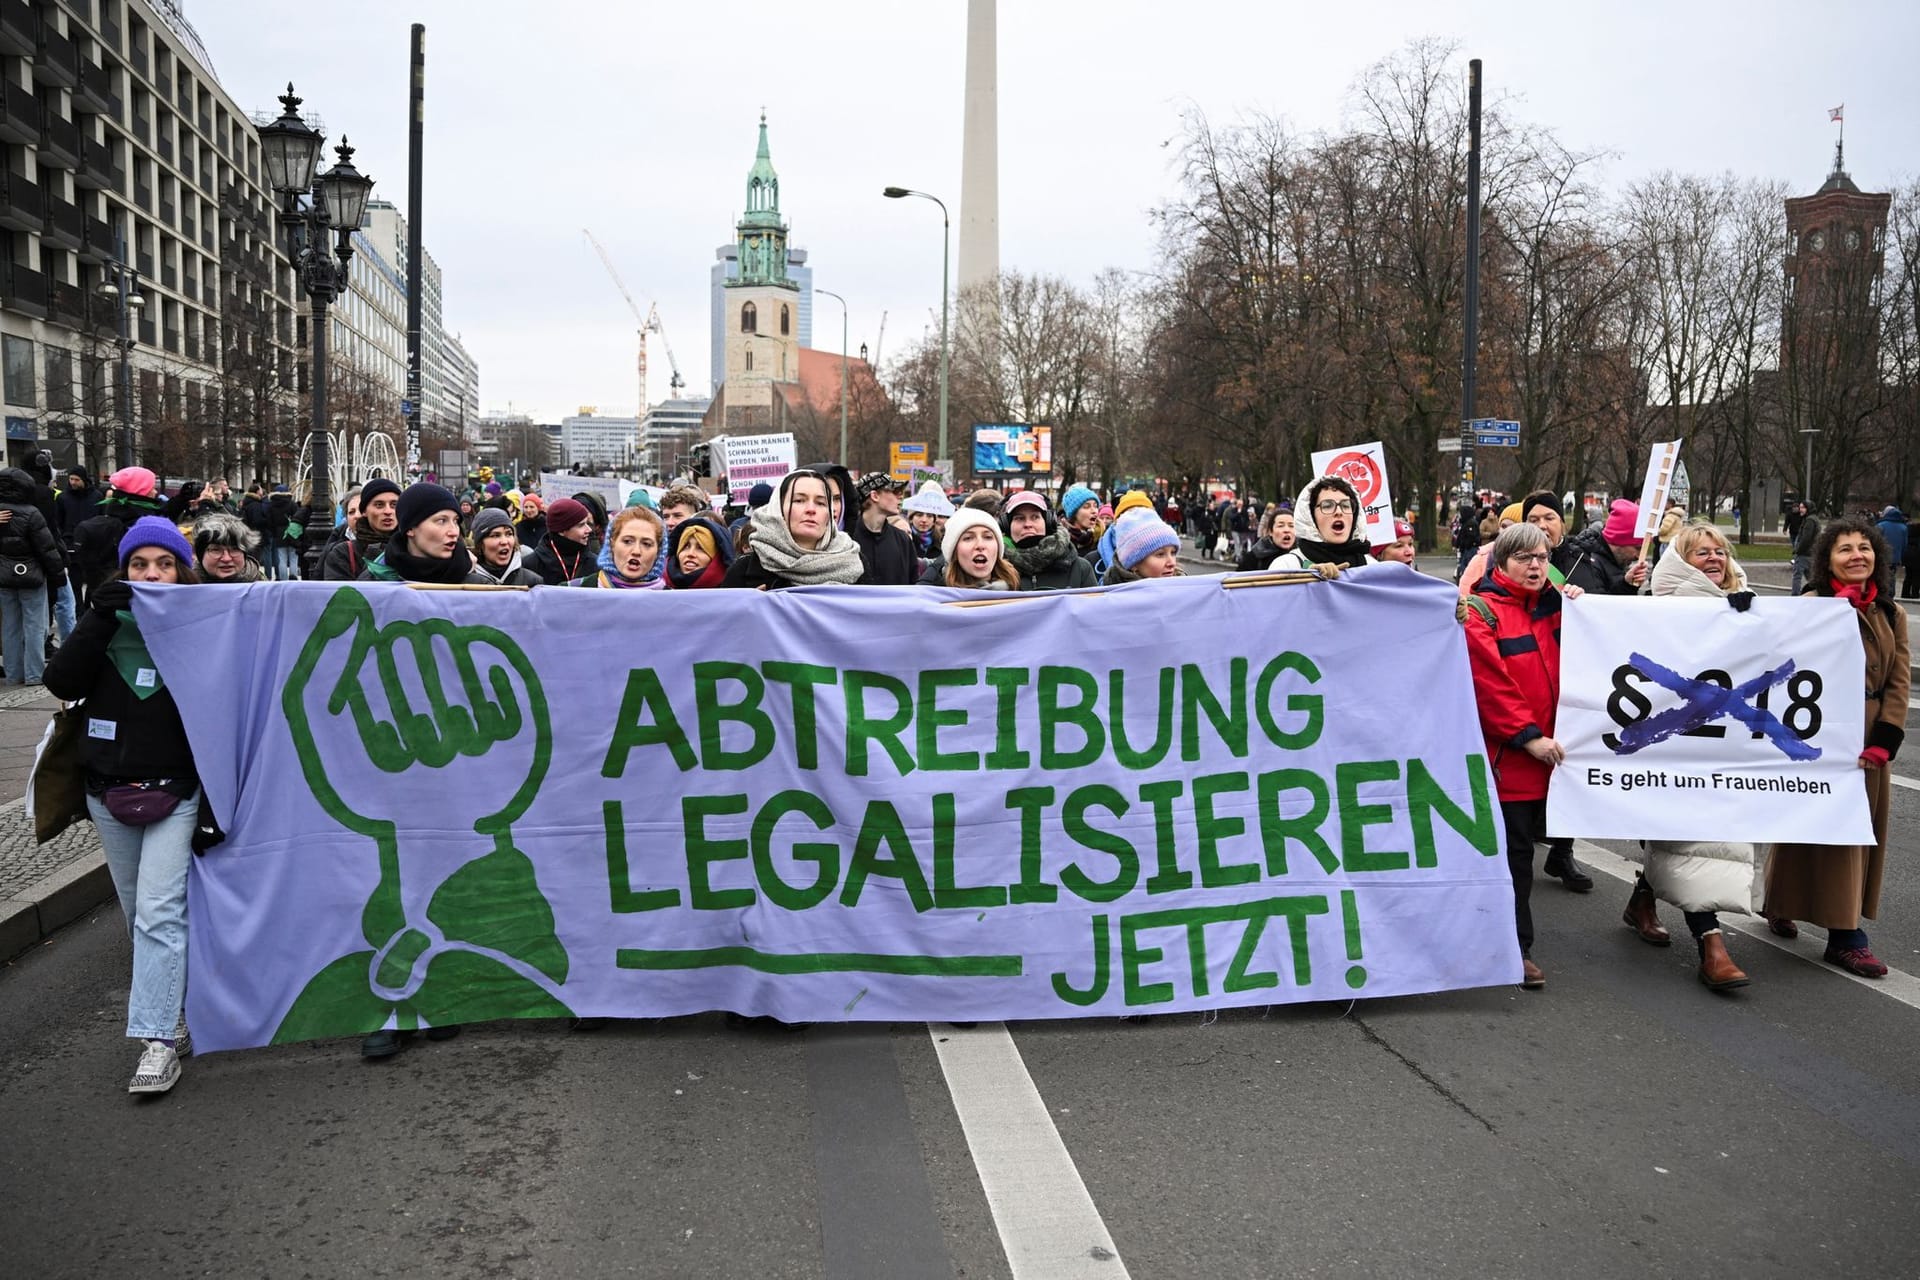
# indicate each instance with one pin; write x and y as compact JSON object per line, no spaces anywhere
{"x":1711,"y":696}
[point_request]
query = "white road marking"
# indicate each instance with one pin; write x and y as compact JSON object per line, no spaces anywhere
{"x":1897,"y":985}
{"x":1048,"y":1224}
{"x":1899,"y":781}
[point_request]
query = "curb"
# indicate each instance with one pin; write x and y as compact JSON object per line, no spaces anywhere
{"x":53,"y":902}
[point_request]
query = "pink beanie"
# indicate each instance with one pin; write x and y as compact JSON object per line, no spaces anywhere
{"x":135,"y":482}
{"x":1622,"y":516}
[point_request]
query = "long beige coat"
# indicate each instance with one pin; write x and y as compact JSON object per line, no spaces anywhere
{"x":1835,"y":885}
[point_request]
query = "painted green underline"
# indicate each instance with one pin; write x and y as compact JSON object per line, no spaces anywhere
{"x":823,"y":962}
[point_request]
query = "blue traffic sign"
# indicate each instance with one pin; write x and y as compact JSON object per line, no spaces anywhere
{"x":1497,"y":442}
{"x":406,"y":408}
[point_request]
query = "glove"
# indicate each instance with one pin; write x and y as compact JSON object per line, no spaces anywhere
{"x":111,"y":596}
{"x":1740,"y":600}
{"x":1874,"y":758}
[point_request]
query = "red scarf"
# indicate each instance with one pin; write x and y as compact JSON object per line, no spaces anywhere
{"x":1860,"y":597}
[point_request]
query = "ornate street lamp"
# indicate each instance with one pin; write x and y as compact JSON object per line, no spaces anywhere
{"x":309,"y":208}
{"x":123,"y":286}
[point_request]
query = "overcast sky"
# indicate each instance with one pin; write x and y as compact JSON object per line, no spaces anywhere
{"x":637,"y":118}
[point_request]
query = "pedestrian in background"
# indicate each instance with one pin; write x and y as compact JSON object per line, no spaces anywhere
{"x":1838,"y":886}
{"x":30,"y":562}
{"x":223,"y":549}
{"x":1805,"y":533}
{"x":143,"y":792}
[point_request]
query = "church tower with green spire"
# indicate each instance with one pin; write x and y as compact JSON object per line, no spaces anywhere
{"x":763,"y":334}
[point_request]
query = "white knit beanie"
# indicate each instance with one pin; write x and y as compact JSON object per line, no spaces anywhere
{"x":961,"y":521}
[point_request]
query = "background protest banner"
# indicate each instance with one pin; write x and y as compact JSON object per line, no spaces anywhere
{"x":752,"y":460}
{"x":451,"y":806}
{"x":1684,"y":720}
{"x":1364,"y":466}
{"x":1663,"y":459}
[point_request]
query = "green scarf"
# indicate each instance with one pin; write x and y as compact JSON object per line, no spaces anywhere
{"x":128,"y":652}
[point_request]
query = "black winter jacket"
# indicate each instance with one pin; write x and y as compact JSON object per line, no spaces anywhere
{"x":888,"y":555}
{"x":129,"y":737}
{"x":1588,"y":563}
{"x":29,"y":553}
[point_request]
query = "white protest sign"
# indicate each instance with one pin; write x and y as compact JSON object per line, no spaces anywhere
{"x":1685,"y":720}
{"x":1364,"y":466}
{"x":1662,"y":461}
{"x":752,"y":460}
{"x":611,"y":490}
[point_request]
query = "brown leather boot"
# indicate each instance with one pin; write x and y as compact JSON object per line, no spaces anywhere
{"x":1643,"y":916}
{"x":1717,"y":968}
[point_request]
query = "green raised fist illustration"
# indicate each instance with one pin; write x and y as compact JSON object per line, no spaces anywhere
{"x":391,"y":723}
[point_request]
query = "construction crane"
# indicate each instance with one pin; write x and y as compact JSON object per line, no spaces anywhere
{"x":649,"y":323}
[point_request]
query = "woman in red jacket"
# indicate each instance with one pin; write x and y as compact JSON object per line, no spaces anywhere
{"x":1513,"y":644}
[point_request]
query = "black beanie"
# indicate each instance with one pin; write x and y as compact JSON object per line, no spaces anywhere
{"x":419,"y":502}
{"x":1541,"y":498}
{"x":374,"y":488}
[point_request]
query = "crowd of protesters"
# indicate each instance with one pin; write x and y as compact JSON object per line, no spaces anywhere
{"x":70,"y":558}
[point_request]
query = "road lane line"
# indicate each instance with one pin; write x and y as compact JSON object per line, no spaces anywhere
{"x":1899,"y":781}
{"x":1897,"y":985}
{"x":1048,"y":1224}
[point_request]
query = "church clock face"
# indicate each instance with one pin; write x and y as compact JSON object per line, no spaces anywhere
{"x":1817,"y":241}
{"x":1853,"y":239}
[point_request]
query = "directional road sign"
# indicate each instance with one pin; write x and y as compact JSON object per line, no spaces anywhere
{"x":1448,"y":444}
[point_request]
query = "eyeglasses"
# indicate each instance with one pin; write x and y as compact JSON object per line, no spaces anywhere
{"x":1540,"y":557}
{"x":1331,"y":507}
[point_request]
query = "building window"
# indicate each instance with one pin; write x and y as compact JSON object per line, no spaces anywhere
{"x":786,"y":320}
{"x":749,"y":318}
{"x":749,"y":356}
{"x":17,"y":354}
{"x":59,"y":378}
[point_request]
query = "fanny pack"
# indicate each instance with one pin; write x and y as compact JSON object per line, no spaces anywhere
{"x":140,"y":804}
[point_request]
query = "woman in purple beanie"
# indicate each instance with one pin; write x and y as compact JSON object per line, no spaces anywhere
{"x":143,"y":792}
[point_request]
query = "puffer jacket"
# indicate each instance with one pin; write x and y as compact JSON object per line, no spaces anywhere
{"x":1699,"y":875}
{"x":29,"y":553}
{"x":1516,"y":678}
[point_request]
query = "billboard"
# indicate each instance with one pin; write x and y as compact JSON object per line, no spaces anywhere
{"x":1012,"y":448}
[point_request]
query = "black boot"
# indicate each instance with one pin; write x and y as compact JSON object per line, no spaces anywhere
{"x":1562,"y":867}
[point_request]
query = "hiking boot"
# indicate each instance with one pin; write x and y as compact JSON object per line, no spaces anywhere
{"x":159,"y":1069}
{"x":1717,"y":968}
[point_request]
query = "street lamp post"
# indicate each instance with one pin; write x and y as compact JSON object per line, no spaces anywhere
{"x":1806,"y":491}
{"x":946,"y":243}
{"x":333,"y":201}
{"x":842,"y":457}
{"x":123,"y":286}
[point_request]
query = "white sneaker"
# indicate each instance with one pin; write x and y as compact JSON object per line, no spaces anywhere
{"x":182,"y":1039}
{"x":159,"y":1069}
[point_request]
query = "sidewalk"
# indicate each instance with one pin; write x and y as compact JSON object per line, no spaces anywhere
{"x":42,"y":886}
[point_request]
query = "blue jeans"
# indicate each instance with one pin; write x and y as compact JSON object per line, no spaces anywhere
{"x":63,"y":610}
{"x":149,"y":868}
{"x":286,"y":559}
{"x":23,"y":633}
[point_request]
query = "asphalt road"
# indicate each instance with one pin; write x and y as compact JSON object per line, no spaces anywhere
{"x":1624,"y":1121}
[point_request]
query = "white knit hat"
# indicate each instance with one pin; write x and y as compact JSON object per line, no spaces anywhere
{"x":962,"y":520}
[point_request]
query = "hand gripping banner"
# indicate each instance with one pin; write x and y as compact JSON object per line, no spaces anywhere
{"x":829,"y":804}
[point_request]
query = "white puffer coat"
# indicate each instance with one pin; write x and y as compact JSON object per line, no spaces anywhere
{"x":1699,"y":875}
